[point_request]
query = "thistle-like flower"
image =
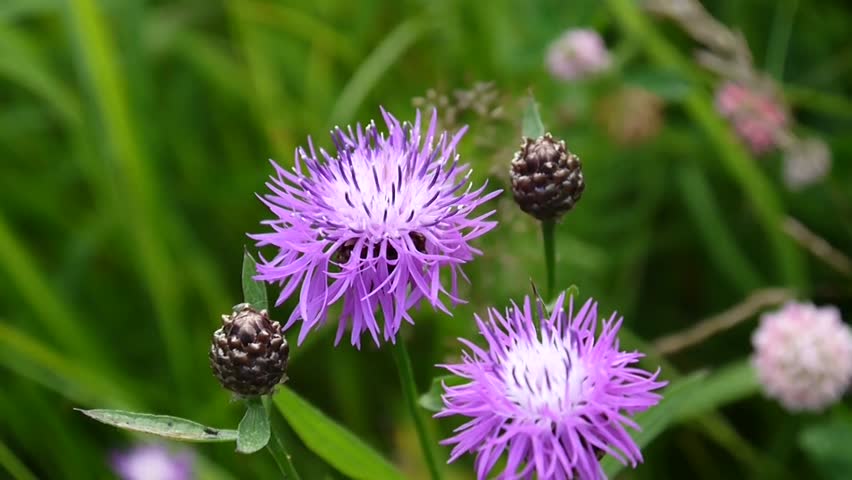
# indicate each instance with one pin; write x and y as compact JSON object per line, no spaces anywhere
{"x":758,"y":118}
{"x":554,"y":397}
{"x":577,"y":54}
{"x":152,"y":462}
{"x":803,"y":356}
{"x":373,"y":225}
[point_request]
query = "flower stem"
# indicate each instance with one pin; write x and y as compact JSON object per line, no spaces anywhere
{"x":276,"y":443}
{"x":409,"y":393}
{"x":547,"y":228}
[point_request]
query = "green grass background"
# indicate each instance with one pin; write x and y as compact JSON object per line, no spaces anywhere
{"x":134,"y":135}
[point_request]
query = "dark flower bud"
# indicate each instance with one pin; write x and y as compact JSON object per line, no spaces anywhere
{"x":547,"y":179}
{"x":248,"y":354}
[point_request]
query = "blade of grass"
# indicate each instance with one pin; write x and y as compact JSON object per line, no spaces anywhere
{"x":32,"y":359}
{"x":55,"y":318}
{"x":301,"y":25}
{"x":15,"y":467}
{"x":718,"y":239}
{"x":269,"y":98}
{"x":779,"y":37}
{"x":20,"y":63}
{"x":136,"y":185}
{"x":365,"y":78}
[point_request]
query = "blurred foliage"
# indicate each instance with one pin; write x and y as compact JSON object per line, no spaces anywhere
{"x":134,"y":135}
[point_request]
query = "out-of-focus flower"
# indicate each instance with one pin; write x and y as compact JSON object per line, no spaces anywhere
{"x":577,"y":54}
{"x":758,"y":117}
{"x":555,"y":398}
{"x":372,"y":226}
{"x":803,"y":356}
{"x":547,"y":179}
{"x":248,"y":354}
{"x":806,"y":162}
{"x":631,"y":115}
{"x":152,"y":462}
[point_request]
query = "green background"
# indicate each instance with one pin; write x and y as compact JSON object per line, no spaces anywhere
{"x":134,"y":135}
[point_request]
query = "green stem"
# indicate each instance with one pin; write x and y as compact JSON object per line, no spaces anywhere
{"x":409,"y":393}
{"x":768,"y":207}
{"x":547,"y":228}
{"x":276,"y":443}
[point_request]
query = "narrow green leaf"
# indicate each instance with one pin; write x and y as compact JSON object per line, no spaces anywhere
{"x":386,"y":53}
{"x":729,"y":384}
{"x":531,"y":124}
{"x":163,"y":425}
{"x":655,"y":420}
{"x":331,"y":442}
{"x":254,"y":292}
{"x":15,"y":467}
{"x":431,"y":400}
{"x":709,"y":220}
{"x":829,"y":448}
{"x":253,"y":433}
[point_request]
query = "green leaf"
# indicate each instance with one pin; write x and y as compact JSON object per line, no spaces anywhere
{"x":163,"y":425}
{"x":731,"y":383}
{"x":828,"y":445}
{"x":688,"y":398}
{"x":431,"y":400}
{"x":254,"y":292}
{"x":16,"y":468}
{"x":665,"y":83}
{"x":531,"y":125}
{"x":331,"y":442}
{"x":655,"y":420}
{"x":253,"y":433}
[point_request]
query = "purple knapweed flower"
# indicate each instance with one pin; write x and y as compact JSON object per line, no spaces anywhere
{"x":152,"y":462}
{"x":577,"y":54}
{"x":757,"y":117}
{"x":374,"y":225}
{"x":555,"y":398}
{"x":803,"y":356}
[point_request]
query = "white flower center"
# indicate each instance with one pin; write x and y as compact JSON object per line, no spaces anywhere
{"x":545,"y":377}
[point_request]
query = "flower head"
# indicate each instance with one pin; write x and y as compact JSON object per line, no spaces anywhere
{"x":577,"y":54}
{"x":547,"y":179}
{"x":553,"y":397}
{"x":152,"y":462}
{"x":806,"y":162}
{"x":631,"y":115}
{"x":373,"y":225}
{"x":803,"y":356}
{"x":757,"y":116}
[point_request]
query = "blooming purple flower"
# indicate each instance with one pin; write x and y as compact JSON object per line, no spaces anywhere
{"x":373,"y":225}
{"x":577,"y":54}
{"x":152,"y":462}
{"x":803,"y":356}
{"x":554,"y":397}
{"x":757,"y":117}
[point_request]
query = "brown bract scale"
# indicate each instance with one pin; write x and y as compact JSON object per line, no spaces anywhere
{"x":248,"y":354}
{"x":547,"y":179}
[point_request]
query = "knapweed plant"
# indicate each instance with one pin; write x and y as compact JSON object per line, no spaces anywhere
{"x":365,"y":235}
{"x":384,"y":223}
